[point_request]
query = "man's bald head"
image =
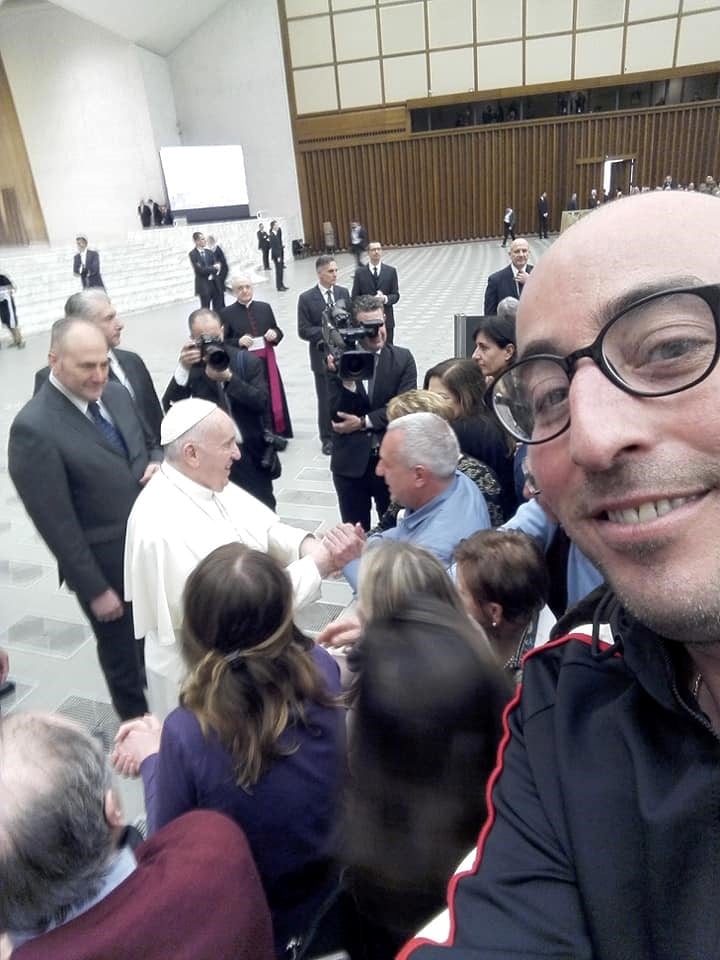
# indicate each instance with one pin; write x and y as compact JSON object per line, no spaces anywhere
{"x":54,"y":838}
{"x":635,"y":480}
{"x":242,"y":288}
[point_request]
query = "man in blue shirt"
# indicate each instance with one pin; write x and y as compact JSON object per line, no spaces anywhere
{"x":418,"y":459}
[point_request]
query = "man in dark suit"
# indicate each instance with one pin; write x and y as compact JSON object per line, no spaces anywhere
{"x":510,"y":281}
{"x":145,"y":214}
{"x":311,"y":305}
{"x":381,"y":280}
{"x":86,"y":265}
{"x":238,"y":388}
{"x":157,"y":214}
{"x":277,"y":252}
{"x":263,"y":238}
{"x":250,"y":324}
{"x":218,"y":253}
{"x":359,"y":418}
{"x":207,"y":271}
{"x":126,"y":367}
{"x":543,"y":216}
{"x":78,"y":466}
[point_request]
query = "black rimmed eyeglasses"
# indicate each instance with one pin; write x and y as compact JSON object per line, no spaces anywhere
{"x":661,"y":344}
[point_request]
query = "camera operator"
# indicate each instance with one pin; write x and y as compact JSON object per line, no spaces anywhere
{"x":233,"y":379}
{"x":357,"y":411}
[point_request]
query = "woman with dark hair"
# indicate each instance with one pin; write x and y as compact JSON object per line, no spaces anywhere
{"x":427,"y":712}
{"x":494,"y":341}
{"x":463,"y":385}
{"x":503,"y":581}
{"x":257,"y":736}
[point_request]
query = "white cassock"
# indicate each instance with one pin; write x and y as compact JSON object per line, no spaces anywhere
{"x":174,"y":524}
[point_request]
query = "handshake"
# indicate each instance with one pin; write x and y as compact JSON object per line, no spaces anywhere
{"x":337,"y":547}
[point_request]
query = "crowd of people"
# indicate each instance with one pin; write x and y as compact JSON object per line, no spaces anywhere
{"x":529,"y":672}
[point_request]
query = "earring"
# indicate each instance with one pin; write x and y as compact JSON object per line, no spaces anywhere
{"x":494,"y":623}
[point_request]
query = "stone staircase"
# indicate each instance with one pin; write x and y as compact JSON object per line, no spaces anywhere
{"x":149,"y":269}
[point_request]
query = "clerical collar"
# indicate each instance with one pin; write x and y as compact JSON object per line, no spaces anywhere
{"x":195,"y":490}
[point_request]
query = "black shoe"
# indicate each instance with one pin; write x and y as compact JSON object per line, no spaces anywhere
{"x":327,"y":447}
{"x":284,"y":288}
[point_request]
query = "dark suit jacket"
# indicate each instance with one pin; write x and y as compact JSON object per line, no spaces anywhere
{"x":146,"y":399}
{"x":246,"y":394}
{"x":90,"y":274}
{"x":205,"y":273}
{"x":309,"y":321}
{"x":500,"y":285}
{"x":236,"y":322}
{"x":387,"y":283}
{"x":394,"y":374}
{"x":263,"y":240}
{"x":76,"y":486}
{"x":276,"y":245}
{"x":224,"y":269}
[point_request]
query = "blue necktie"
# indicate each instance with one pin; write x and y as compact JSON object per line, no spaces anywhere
{"x":108,"y":429}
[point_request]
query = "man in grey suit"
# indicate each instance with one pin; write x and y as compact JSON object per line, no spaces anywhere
{"x":126,"y":367}
{"x":79,"y":455}
{"x":311,"y":305}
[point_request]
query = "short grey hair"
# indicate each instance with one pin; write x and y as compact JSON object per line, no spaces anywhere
{"x":428,"y":441}
{"x":237,"y":278}
{"x":508,"y":308}
{"x":55,"y":841}
{"x":82,"y":305}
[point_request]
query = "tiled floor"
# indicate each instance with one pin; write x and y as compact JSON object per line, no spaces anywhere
{"x":52,"y":651}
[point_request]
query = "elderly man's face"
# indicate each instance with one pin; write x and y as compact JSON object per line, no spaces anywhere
{"x":105,"y":316}
{"x":622,"y":455}
{"x":519,"y":254}
{"x":243,"y":291}
{"x":216,"y":453}
{"x":400,"y":479}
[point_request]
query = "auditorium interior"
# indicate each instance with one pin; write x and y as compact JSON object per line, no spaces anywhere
{"x":423,"y":119}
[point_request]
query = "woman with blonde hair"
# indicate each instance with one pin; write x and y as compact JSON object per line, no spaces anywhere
{"x":258,"y":734}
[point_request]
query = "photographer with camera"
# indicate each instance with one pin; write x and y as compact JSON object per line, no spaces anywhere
{"x":233,"y":379}
{"x":365,"y":373}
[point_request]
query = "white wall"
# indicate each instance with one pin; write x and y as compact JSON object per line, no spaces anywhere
{"x":160,"y":103}
{"x":92,"y":108}
{"x":229,"y":84}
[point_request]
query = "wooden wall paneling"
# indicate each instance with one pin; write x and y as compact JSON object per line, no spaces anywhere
{"x":455,"y":184}
{"x":20,"y":209}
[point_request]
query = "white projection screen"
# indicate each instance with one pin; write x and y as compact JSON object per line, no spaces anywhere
{"x":206,"y":183}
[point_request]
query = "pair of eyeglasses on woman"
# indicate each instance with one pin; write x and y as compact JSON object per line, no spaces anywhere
{"x":662,"y":344}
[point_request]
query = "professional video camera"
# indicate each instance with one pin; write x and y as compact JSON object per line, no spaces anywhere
{"x":212,"y":352}
{"x":340,"y":337}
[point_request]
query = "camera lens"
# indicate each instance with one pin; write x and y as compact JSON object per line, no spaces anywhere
{"x":217,"y":358}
